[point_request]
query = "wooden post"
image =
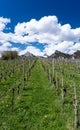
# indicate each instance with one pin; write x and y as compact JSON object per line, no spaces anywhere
{"x":12,"y":98}
{"x":18,"y":89}
{"x":48,"y":72}
{"x":29,"y":63}
{"x":63,"y":92}
{"x":75,"y":104}
{"x":49,"y":75}
{"x":56,"y":81}
{"x":53,"y":67}
{"x":23,"y":74}
{"x":3,"y":113}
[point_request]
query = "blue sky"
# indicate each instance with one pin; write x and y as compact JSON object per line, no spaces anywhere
{"x":40,"y":26}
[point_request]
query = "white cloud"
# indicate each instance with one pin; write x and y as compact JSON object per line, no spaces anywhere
{"x":3,"y":23}
{"x":64,"y":46}
{"x":46,"y":30}
{"x":35,"y":51}
{"x":46,"y":24}
{"x":15,"y":49}
{"x":74,"y":48}
{"x":5,"y":46}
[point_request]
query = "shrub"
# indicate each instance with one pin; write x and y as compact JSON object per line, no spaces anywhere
{"x":6,"y":55}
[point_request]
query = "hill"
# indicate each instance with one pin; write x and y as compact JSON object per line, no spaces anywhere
{"x":76,"y":54}
{"x":59,"y":54}
{"x":28,"y":54}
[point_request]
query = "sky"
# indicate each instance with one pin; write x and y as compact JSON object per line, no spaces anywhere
{"x":40,"y":26}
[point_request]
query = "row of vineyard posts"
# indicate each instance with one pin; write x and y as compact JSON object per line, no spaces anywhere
{"x":25,"y":78}
{"x":58,"y":82}
{"x":19,"y":67}
{"x":12,"y":69}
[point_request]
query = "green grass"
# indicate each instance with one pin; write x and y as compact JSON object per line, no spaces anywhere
{"x":38,"y":106}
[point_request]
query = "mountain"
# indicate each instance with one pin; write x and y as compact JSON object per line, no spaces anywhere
{"x":76,"y":54}
{"x":28,"y":54}
{"x":59,"y":54}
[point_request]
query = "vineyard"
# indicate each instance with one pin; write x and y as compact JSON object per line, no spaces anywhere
{"x":39,"y":94}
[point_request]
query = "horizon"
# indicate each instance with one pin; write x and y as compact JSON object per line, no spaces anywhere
{"x":40,"y":27}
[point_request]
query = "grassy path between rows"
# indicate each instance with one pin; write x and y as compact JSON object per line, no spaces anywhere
{"x":38,"y":107}
{"x":45,"y":109}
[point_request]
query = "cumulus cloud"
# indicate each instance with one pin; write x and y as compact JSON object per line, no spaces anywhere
{"x":15,"y":49}
{"x":44,"y":25}
{"x":62,"y":46}
{"x":46,"y":30}
{"x":5,"y":46}
{"x":74,"y":48}
{"x":35,"y":51}
{"x":3,"y":23}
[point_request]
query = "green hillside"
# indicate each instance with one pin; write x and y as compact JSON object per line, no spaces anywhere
{"x":30,"y":99}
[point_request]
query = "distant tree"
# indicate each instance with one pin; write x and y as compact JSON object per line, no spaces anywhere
{"x":6,"y":55}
